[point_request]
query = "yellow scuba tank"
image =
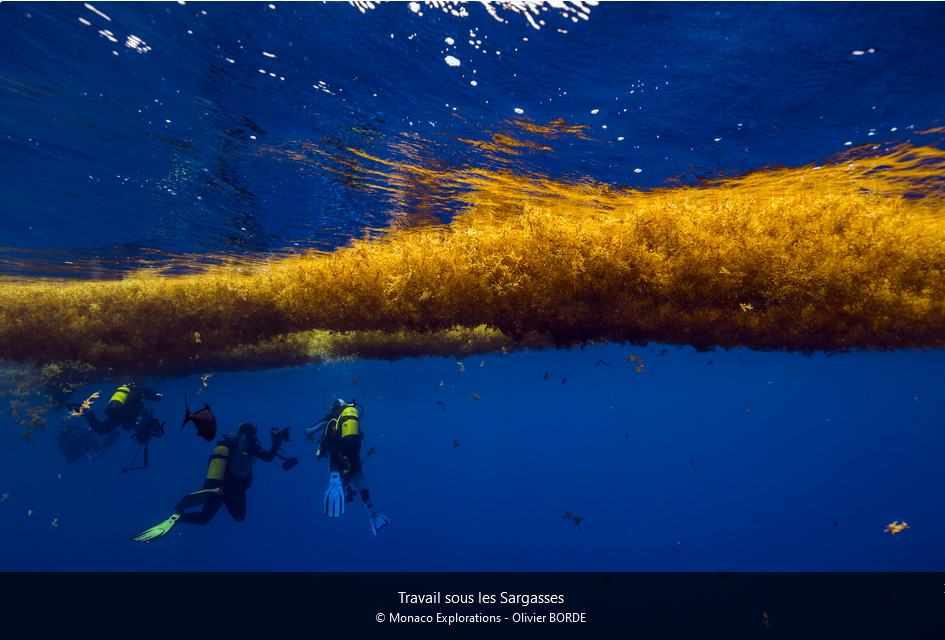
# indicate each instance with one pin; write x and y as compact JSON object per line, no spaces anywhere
{"x":217,"y":468}
{"x":117,"y":401}
{"x":126,"y":395}
{"x":350,"y":422}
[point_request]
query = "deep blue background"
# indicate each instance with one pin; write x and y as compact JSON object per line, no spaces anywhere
{"x":112,"y":159}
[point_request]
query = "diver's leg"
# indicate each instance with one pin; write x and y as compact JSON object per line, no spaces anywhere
{"x":362,"y":485}
{"x":235,"y":497}
{"x":210,"y":507}
{"x":101,"y":428}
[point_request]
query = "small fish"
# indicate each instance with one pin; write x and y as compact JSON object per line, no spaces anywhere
{"x":546,"y":376}
{"x":371,"y":451}
{"x":204,"y":420}
{"x":455,"y":443}
{"x":834,"y":523}
{"x":154,"y":426}
{"x":442,"y":405}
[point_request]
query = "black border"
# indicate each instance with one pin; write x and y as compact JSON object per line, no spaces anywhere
{"x":631,"y":605}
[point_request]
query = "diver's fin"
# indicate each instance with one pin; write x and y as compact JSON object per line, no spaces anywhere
{"x":334,"y":496}
{"x":378,"y":519}
{"x":196,"y":498}
{"x":157,"y":531}
{"x":109,"y":441}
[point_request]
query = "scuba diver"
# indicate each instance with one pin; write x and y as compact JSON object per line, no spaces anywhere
{"x":123,"y":408}
{"x":341,"y":442}
{"x":77,"y":440}
{"x":229,"y":475}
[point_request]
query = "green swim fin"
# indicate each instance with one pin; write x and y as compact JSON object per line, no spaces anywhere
{"x":196,"y":498}
{"x":157,"y":531}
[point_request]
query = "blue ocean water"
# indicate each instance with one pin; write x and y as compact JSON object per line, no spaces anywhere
{"x":131,"y":133}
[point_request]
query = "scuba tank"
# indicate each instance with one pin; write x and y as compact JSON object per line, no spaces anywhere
{"x":346,"y":424}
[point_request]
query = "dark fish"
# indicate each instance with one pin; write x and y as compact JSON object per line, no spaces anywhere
{"x":204,"y":420}
{"x":155,"y":426}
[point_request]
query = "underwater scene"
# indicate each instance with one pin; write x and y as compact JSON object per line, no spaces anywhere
{"x":465,"y":287}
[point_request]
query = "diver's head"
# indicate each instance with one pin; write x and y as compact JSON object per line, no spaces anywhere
{"x":246,"y":429}
{"x":337,"y":406}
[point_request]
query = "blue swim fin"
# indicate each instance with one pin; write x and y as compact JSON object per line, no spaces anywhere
{"x":334,"y":496}
{"x":378,"y":519}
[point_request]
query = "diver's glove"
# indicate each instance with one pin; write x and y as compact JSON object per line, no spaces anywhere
{"x":378,"y":519}
{"x":334,"y":496}
{"x":158,"y":531}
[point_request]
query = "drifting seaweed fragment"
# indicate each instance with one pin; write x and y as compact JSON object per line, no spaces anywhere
{"x":895,"y":527}
{"x":86,"y":404}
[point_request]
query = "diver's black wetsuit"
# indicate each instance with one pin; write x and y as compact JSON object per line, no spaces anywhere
{"x":234,"y":486}
{"x":124,"y":414}
{"x":344,"y":452}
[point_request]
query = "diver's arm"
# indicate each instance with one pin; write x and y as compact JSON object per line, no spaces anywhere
{"x":151,"y":394}
{"x":269,"y":456}
{"x":315,"y":428}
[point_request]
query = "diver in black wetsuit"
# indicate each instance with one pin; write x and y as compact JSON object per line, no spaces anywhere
{"x":229,"y":475}
{"x":77,"y":440}
{"x":123,"y":408}
{"x":341,"y":444}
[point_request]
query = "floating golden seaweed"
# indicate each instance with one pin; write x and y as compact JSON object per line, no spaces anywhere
{"x":86,"y":404}
{"x":205,"y":385}
{"x":5,"y":496}
{"x":895,"y":527}
{"x":832,"y":258}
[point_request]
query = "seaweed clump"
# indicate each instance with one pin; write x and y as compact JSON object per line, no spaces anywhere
{"x":795,"y":259}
